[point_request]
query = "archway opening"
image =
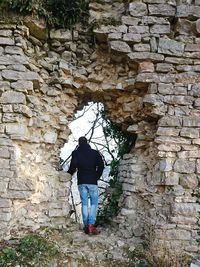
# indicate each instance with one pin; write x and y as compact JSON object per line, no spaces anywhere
{"x":91,"y":121}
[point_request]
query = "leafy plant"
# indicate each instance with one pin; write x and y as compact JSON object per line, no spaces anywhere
{"x":57,"y":13}
{"x":7,"y":255}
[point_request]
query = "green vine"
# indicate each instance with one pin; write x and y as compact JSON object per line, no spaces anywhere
{"x":113,"y":192}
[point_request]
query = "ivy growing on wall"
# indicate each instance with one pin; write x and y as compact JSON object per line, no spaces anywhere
{"x":111,"y":196}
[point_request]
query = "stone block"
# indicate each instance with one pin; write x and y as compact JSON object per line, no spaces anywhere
{"x":164,"y":67}
{"x":22,"y":86}
{"x":4,"y":163}
{"x":132,"y":37}
{"x":170,"y":121}
{"x":169,"y":147}
{"x":61,"y":35}
{"x":192,"y":47}
{"x":58,"y":212}
{"x":160,"y":29}
{"x":5,"y":216}
{"x":198,"y":25}
{"x":12,"y":194}
{"x":189,"y":154}
{"x":5,"y":203}
{"x":184,"y":166}
{"x":173,"y":140}
{"x":5,"y":33}
{"x":166,"y":165}
{"x":151,"y":20}
{"x":162,"y":10}
{"x":12,"y":75}
{"x":50,"y":137}
{"x":145,"y":66}
{"x":170,"y":47}
{"x":137,"y":9}
{"x":171,"y":178}
{"x":115,"y":36}
{"x":13,"y":60}
{"x":191,"y":122}
{"x":189,"y":181}
{"x":141,"y":47}
{"x":128,"y":20}
{"x":6,"y":173}
{"x":3,"y":186}
{"x":178,"y":100}
{"x":11,"y":97}
{"x":178,"y":234}
{"x":6,"y":41}
{"x":134,"y":56}
{"x":188,"y":10}
{"x":139,"y":29}
{"x":16,"y":130}
{"x":120,"y":47}
{"x":14,"y":50}
{"x":4,"y":152}
{"x":191,"y":133}
{"x":187,"y":209}
{"x":169,"y":131}
{"x":21,"y":185}
{"x":23,"y":109}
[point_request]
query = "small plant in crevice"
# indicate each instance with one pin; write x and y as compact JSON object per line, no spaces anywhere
{"x":111,"y":196}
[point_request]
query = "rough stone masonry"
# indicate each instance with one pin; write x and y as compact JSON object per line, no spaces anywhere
{"x":146,"y":70}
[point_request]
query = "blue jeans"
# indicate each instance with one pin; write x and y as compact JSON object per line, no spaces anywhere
{"x":88,"y":192}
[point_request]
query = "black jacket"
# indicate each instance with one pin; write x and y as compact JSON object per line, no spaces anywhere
{"x":89,"y":164}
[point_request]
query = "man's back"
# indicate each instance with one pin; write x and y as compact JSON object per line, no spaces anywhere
{"x":89,"y":164}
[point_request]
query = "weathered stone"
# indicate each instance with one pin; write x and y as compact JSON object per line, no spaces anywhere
{"x":22,"y":86}
{"x":162,"y":10}
{"x":166,"y":165}
{"x":171,"y":178}
{"x":168,"y":131}
{"x":170,"y":47}
{"x":134,"y":56}
{"x":139,"y":29}
{"x":50,"y":137}
{"x":187,"y":209}
{"x":141,"y":47}
{"x":137,"y":9}
{"x":155,"y":20}
{"x":5,"y":203}
{"x":164,"y":67}
{"x":132,"y":37}
{"x":61,"y":35}
{"x":146,"y":66}
{"x":17,"y":131}
{"x":14,"y":50}
{"x":21,"y":185}
{"x":184,"y":166}
{"x":169,"y":147}
{"x":160,"y":29}
{"x":191,"y":122}
{"x":4,"y":163}
{"x":186,"y":27}
{"x":4,"y":85}
{"x":189,"y":181}
{"x":6,"y":41}
{"x":14,"y":59}
{"x":178,"y":100}
{"x":128,"y":20}
{"x":23,"y":109}
{"x":120,"y":46}
{"x":37,"y":28}
{"x":170,"y":121}
{"x":188,"y":10}
{"x":198,"y":25}
{"x":191,"y":133}
{"x":11,"y":97}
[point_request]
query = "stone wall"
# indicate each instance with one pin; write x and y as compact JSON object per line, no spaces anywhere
{"x":146,"y":72}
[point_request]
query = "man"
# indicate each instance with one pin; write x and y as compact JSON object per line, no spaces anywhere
{"x":90,"y":167}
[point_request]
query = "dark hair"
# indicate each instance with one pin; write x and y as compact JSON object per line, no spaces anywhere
{"x":82,"y":140}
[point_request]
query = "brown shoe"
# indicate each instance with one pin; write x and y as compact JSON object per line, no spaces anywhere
{"x":85,"y":229}
{"x":92,"y":230}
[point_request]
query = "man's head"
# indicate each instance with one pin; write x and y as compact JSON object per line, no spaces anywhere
{"x":82,"y":140}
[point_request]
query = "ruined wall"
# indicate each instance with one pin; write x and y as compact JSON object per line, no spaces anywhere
{"x":146,"y":72}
